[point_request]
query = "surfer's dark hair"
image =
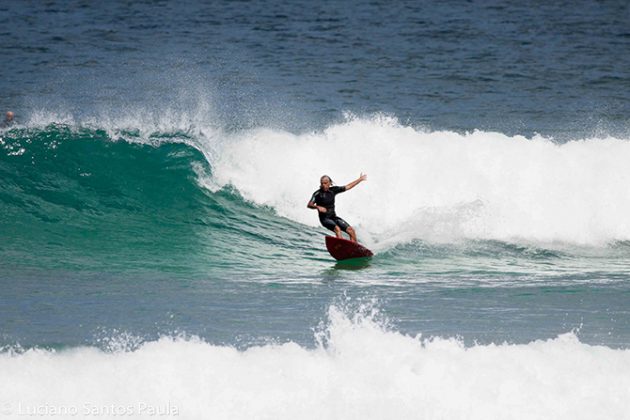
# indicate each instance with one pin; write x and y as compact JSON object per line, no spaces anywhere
{"x":326,"y":176}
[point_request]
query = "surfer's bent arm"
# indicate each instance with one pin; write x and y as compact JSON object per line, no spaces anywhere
{"x":354,"y":183}
{"x":311,"y":205}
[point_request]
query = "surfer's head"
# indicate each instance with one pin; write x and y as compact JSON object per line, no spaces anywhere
{"x":325,"y":182}
{"x":9,"y":116}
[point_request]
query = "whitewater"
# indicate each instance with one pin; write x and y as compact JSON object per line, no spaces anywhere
{"x":440,"y":186}
{"x":359,"y":369}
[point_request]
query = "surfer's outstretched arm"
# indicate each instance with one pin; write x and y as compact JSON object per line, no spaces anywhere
{"x":354,"y":183}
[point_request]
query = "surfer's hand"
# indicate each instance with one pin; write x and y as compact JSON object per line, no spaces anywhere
{"x":363,"y":177}
{"x":321,"y":209}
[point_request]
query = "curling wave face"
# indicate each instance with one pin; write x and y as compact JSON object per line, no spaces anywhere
{"x":76,"y":197}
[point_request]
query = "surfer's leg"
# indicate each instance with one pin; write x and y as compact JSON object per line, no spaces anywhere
{"x":343,"y":225}
{"x":330,"y":224}
{"x":338,"y":232}
{"x":350,"y":231}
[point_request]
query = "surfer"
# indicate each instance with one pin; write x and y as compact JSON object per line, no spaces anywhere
{"x":8,"y":120}
{"x":323,"y":200}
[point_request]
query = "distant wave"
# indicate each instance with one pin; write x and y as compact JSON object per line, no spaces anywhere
{"x":360,"y":369}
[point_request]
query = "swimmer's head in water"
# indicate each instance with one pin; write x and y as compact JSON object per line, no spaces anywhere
{"x":9,"y":116}
{"x":325,"y":182}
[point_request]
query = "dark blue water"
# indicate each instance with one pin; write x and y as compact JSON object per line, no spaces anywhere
{"x":559,"y":69}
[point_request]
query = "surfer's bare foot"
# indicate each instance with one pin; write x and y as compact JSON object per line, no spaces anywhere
{"x":352,"y":233}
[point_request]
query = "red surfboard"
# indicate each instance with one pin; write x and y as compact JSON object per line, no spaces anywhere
{"x":343,"y":249}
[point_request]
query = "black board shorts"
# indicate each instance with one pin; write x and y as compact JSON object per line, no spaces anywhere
{"x":331,"y":222}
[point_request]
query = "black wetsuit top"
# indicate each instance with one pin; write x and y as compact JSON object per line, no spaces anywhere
{"x":327,"y":199}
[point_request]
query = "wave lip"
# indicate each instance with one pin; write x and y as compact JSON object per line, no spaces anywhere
{"x":360,"y":369}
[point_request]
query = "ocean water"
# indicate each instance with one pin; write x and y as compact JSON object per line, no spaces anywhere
{"x":157,"y":258}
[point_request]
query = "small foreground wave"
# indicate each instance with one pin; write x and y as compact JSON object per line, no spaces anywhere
{"x":360,"y":369}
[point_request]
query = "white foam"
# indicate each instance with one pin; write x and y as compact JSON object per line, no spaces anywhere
{"x":363,"y":371}
{"x":439,"y":186}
